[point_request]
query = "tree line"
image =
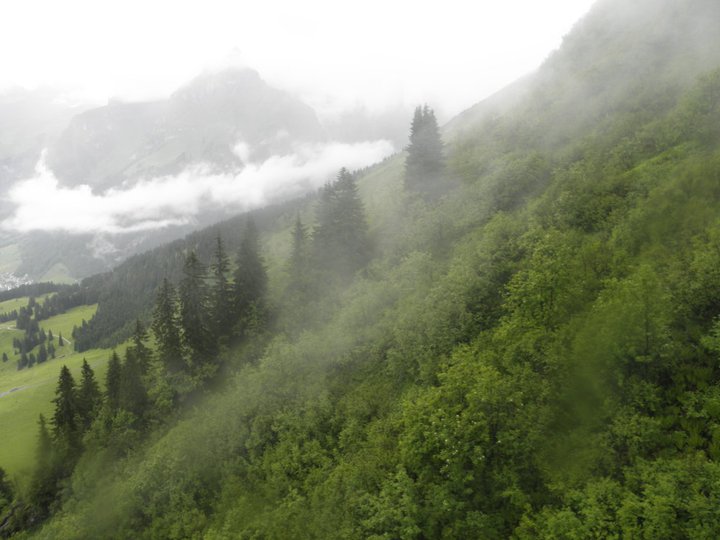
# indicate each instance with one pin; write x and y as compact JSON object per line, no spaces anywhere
{"x":28,"y":319}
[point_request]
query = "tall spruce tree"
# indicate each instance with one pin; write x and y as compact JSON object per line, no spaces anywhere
{"x":143,"y":353}
{"x":221,"y":294}
{"x":88,"y":395}
{"x":133,"y":395}
{"x":42,"y":354}
{"x":166,"y":328}
{"x":298,"y":265}
{"x":43,"y":486}
{"x":250,"y":284}
{"x":66,"y":430}
{"x":195,"y":321}
{"x":340,"y":238}
{"x":425,"y":164}
{"x":112,"y":382}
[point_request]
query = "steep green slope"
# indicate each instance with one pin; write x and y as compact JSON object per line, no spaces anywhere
{"x":536,"y":355}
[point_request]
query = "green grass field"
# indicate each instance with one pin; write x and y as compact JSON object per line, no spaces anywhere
{"x":27,"y":393}
{"x":58,"y":273}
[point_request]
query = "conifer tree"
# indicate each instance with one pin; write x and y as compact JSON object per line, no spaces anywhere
{"x":298,"y":264}
{"x":221,"y":295}
{"x":142,"y":352}
{"x":133,"y":396}
{"x":166,"y":328}
{"x":50,"y":336}
{"x":88,"y":396}
{"x":42,"y":353}
{"x":5,"y":357}
{"x":250,"y":283}
{"x":43,"y":486}
{"x":112,"y":382}
{"x":61,"y":341}
{"x":340,"y":238}
{"x":194,"y":315}
{"x":425,"y":164}
{"x":65,"y":425}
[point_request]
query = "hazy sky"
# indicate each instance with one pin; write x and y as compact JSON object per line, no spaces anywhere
{"x":378,"y":53}
{"x":336,"y":53}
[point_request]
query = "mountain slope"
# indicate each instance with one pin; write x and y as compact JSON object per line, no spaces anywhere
{"x":535,"y":355}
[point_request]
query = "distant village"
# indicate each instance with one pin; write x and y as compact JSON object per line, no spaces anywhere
{"x":10,"y":281}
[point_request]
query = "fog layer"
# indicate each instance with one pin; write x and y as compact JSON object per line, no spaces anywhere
{"x":43,"y":203}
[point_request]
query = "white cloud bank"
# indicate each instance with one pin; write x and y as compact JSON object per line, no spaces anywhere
{"x":41,"y":203}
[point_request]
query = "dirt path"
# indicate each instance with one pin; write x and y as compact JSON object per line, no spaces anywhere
{"x":3,"y":394}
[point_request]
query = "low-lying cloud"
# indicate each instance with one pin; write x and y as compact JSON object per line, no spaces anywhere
{"x":41,"y":203}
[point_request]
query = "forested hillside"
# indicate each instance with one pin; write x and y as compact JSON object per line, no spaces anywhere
{"x":529,"y":347}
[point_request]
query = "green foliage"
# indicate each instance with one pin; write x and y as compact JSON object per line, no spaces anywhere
{"x":195,"y":317}
{"x":221,"y":293}
{"x":88,"y":396}
{"x":250,"y":283}
{"x":166,"y":328}
{"x":112,"y":382}
{"x":425,"y":163}
{"x":66,"y":430}
{"x":340,"y":237}
{"x":535,"y":355}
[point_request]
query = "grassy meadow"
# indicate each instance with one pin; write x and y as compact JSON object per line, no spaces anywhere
{"x":27,"y":393}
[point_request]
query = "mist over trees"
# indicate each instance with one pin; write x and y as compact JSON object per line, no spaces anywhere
{"x":340,"y":237}
{"x":425,"y":162}
{"x":535,"y":354}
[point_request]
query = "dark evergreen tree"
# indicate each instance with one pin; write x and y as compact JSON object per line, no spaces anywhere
{"x":195,"y":320}
{"x":89,"y":396}
{"x":340,"y":238}
{"x":142,"y":352}
{"x":51,"y":349}
{"x":42,"y":353}
{"x":221,"y":295}
{"x":50,"y":336}
{"x":133,"y":396}
{"x":250,"y":284}
{"x":112,"y":382}
{"x":298,"y":266}
{"x":166,"y":328}
{"x":5,"y":357}
{"x":425,"y":164}
{"x":23,"y":361}
{"x":61,"y":341}
{"x":43,"y":486}
{"x":65,"y":418}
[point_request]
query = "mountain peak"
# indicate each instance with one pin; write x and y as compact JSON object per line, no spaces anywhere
{"x":225,"y":81}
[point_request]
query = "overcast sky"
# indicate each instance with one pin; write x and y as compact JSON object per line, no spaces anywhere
{"x":335,"y":53}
